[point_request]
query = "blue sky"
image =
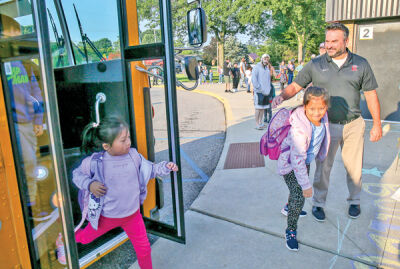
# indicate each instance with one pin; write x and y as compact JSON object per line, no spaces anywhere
{"x":99,"y":18}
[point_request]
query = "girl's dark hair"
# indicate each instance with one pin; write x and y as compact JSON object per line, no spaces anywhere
{"x":315,"y":92}
{"x":94,"y":136}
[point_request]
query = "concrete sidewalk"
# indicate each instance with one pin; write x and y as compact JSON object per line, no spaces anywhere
{"x":236,"y":222}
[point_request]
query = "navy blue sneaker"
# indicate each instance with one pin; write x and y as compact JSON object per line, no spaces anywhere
{"x":354,"y":211}
{"x":291,"y":241}
{"x":285,"y":211}
{"x":318,"y":213}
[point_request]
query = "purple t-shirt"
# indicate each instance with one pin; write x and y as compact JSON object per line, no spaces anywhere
{"x":122,"y":182}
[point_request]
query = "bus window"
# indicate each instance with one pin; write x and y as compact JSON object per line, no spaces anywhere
{"x":60,"y":54}
{"x":149,"y":21}
{"x":90,"y":41}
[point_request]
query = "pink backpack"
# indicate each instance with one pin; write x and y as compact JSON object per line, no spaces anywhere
{"x":278,"y":129}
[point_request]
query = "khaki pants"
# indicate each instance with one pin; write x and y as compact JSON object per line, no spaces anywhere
{"x":27,"y":144}
{"x":350,"y":137}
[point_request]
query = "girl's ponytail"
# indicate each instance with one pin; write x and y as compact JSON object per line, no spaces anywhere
{"x":90,"y":140}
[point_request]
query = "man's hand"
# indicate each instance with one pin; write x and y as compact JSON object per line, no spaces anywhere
{"x":287,"y":93}
{"x":277,"y":101}
{"x":172,"y":166}
{"x":376,"y":133}
{"x":97,"y":188}
{"x":375,"y":109}
{"x":307,"y":193}
{"x":38,"y":129}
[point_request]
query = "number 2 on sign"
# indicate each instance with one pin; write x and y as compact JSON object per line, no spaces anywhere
{"x":366,"y":32}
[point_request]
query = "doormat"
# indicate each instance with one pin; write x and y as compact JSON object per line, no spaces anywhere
{"x":244,"y":155}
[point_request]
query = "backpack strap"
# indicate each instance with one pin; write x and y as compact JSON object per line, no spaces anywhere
{"x":83,"y":195}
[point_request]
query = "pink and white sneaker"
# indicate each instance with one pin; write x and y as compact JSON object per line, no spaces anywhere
{"x":60,"y":250}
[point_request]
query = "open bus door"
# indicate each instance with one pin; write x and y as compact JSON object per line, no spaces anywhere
{"x":70,"y":88}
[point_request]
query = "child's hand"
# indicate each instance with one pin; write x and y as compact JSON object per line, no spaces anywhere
{"x":172,"y":166}
{"x":97,"y":188}
{"x":307,"y":193}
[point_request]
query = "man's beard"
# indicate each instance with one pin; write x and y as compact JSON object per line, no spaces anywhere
{"x":337,"y":53}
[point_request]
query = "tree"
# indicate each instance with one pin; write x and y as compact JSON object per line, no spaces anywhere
{"x":210,"y":51}
{"x":226,"y":18}
{"x":235,"y":50}
{"x":104,"y":45}
{"x":301,"y":20}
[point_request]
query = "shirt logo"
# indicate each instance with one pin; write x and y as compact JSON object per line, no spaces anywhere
{"x":354,"y":68}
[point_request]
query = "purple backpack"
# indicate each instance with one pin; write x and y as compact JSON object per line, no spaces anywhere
{"x":278,"y":129}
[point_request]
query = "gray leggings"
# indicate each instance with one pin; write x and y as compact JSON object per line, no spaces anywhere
{"x":296,"y":200}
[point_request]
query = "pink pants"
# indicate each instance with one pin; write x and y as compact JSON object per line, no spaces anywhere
{"x":133,"y":226}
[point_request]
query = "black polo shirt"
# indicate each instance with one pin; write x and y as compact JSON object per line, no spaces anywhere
{"x":343,"y":84}
{"x":226,"y":69}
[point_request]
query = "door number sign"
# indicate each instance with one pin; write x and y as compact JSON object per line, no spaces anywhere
{"x":366,"y":32}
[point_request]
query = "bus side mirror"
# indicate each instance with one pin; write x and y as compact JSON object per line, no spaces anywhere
{"x":197,"y":26}
{"x":191,"y":67}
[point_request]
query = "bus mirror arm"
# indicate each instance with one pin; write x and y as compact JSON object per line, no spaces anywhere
{"x":141,"y":69}
{"x":188,"y":88}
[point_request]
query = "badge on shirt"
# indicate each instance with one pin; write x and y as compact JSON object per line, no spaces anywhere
{"x":354,"y":68}
{"x":8,"y":70}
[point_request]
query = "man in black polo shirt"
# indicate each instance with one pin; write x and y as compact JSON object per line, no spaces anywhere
{"x":344,"y":75}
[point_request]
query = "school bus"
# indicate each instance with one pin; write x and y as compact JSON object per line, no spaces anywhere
{"x":54,"y":81}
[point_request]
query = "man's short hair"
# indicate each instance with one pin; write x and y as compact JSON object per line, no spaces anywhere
{"x":338,"y":26}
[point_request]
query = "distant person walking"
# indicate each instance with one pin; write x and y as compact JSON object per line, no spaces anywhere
{"x":220,"y":75}
{"x":248,"y":76}
{"x":235,"y":77}
{"x":242,"y":67}
{"x":200,"y":72}
{"x":261,"y":80}
{"x":227,"y":76}
{"x":300,"y":66}
{"x":282,"y":75}
{"x":205,"y":74}
{"x":349,"y":74}
{"x":290,"y":70}
{"x":210,"y":75}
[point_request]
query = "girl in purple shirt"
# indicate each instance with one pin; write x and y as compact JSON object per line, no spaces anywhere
{"x":116,"y":187}
{"x":307,"y":139}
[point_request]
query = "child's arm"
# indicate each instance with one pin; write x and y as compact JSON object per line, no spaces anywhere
{"x":83,"y":180}
{"x":163,"y":169}
{"x":81,"y":175}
